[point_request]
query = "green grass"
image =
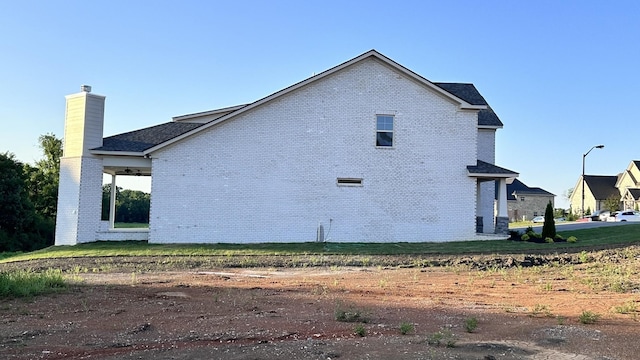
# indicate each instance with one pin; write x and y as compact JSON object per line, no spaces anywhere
{"x":587,"y":239}
{"x":25,"y":283}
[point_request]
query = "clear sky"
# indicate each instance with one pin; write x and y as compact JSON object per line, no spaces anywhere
{"x":562,"y":75}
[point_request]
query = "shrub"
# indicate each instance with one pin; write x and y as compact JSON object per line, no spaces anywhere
{"x":406,"y":328}
{"x":559,"y":238}
{"x":443,"y":336}
{"x":549,"y":226}
{"x":515,"y":235}
{"x":548,"y":240}
{"x":588,"y":317}
{"x":360,"y":330}
{"x":572,"y":239}
{"x":471,"y":324}
{"x":350,"y":314}
{"x":525,"y":237}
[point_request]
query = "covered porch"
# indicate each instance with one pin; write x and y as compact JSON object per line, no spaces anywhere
{"x":119,"y":167}
{"x":491,"y":193}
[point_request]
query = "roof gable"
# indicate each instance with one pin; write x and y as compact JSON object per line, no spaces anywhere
{"x":602,"y":186}
{"x":463,"y":104}
{"x":517,"y":188}
{"x":148,"y":140}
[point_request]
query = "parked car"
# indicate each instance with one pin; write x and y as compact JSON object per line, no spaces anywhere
{"x":604,"y":215}
{"x":596,"y":215}
{"x":538,"y":219}
{"x":628,"y":216}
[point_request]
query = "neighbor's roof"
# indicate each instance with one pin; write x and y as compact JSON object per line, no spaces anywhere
{"x":635,"y":193}
{"x":517,"y":188}
{"x":602,"y":186}
{"x":155,"y":137}
{"x":485,"y":169}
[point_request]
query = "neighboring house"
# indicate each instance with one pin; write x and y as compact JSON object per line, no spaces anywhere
{"x":525,"y":202}
{"x":367,"y":151}
{"x":628,"y":185}
{"x":597,"y":189}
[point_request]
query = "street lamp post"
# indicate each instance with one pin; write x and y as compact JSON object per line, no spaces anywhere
{"x":584,"y":156}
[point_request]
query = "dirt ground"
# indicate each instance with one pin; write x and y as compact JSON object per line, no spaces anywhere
{"x":284,"y":313}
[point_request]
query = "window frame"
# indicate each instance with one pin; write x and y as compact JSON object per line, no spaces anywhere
{"x":389,"y":131}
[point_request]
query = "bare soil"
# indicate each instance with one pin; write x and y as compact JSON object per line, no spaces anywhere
{"x":126,"y":311}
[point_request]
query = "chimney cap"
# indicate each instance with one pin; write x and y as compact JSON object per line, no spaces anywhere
{"x":85,"y":88}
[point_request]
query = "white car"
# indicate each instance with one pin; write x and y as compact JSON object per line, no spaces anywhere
{"x":538,"y":219}
{"x":628,"y":216}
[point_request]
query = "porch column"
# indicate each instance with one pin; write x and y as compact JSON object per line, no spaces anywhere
{"x":112,"y":203}
{"x":479,"y":219}
{"x":502,"y":218}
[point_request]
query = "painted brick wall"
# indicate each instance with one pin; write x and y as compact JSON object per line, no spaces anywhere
{"x":79,"y":200}
{"x":270,"y":174}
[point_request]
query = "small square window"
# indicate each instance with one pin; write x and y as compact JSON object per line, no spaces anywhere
{"x":384,"y":130}
{"x":521,"y":198}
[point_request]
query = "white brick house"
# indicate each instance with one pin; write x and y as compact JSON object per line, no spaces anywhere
{"x":367,"y":151}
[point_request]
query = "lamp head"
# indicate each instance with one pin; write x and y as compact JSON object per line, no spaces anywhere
{"x":599,"y":146}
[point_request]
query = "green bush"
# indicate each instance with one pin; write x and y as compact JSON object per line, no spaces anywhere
{"x":588,"y":317}
{"x":471,"y":324}
{"x":360,"y":330}
{"x":548,"y":240}
{"x":549,"y":226}
{"x":572,"y":239}
{"x":406,"y":328}
{"x":525,"y":237}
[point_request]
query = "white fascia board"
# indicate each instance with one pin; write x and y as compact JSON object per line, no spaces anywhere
{"x":494,"y":176}
{"x":117,"y":153}
{"x":207,"y":113}
{"x":489,"y":127}
{"x":372,"y":53}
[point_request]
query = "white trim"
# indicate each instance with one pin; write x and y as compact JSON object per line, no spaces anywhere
{"x":493,"y":176}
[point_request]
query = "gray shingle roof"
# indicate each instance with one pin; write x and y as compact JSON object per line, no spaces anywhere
{"x":470,"y":94}
{"x":483,"y":167}
{"x":635,"y":193}
{"x":602,"y":186}
{"x":143,"y":139}
{"x":520,"y":188}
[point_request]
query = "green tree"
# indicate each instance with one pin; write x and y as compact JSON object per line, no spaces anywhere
{"x":612,"y":203}
{"x":132,"y":206}
{"x":21,"y":228}
{"x":549,"y":227}
{"x":44,"y":177}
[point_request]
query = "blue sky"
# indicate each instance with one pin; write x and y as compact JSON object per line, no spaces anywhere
{"x":562,"y":75}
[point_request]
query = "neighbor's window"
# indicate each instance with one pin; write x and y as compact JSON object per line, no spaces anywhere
{"x":521,"y":198}
{"x":384,"y":130}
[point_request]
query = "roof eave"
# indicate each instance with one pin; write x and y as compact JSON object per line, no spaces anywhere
{"x":491,"y":127}
{"x":494,"y":175}
{"x":118,"y":153}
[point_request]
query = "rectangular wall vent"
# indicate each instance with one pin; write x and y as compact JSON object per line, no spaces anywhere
{"x":349,"y":181}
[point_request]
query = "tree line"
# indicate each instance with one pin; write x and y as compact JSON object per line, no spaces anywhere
{"x":29,"y":199}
